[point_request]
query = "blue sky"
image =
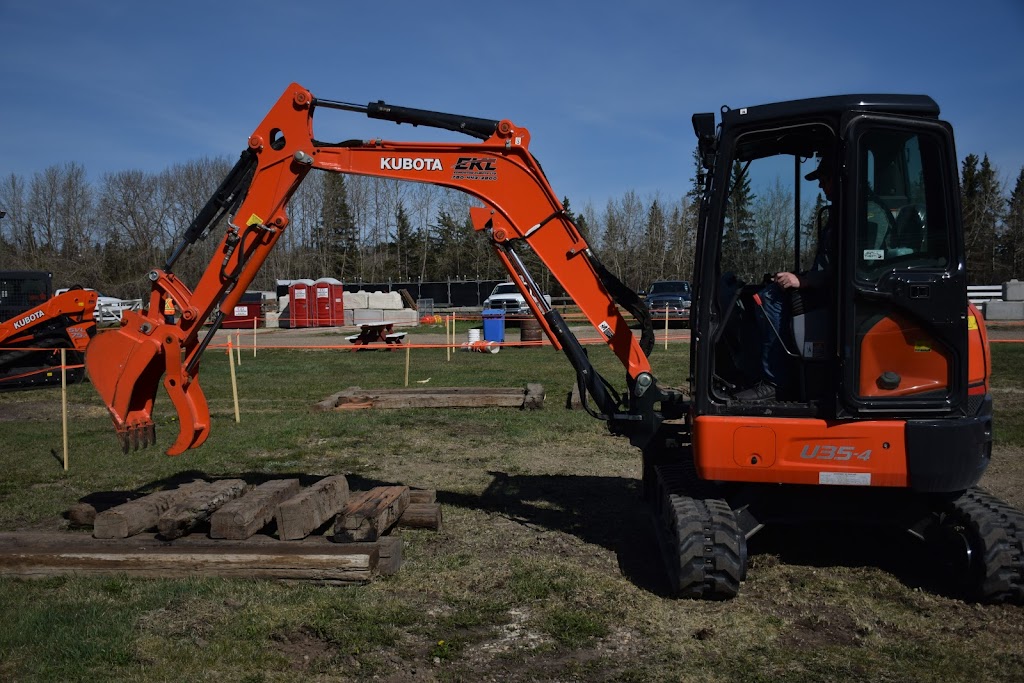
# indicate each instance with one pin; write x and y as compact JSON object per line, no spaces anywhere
{"x":606,"y":89}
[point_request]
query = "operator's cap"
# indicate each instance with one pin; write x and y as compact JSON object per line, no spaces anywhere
{"x":824,"y":165}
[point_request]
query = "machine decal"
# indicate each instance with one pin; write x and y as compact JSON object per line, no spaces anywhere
{"x":27,"y":319}
{"x":845,"y":478}
{"x":833,"y":452}
{"x":410,"y":164}
{"x":475,"y":168}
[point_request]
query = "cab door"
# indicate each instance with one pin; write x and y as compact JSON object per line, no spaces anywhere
{"x":904,"y":327}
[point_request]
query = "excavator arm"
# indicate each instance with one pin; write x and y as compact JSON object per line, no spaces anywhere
{"x":519,"y":206}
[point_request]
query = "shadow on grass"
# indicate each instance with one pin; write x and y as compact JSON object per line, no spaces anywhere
{"x":609,"y":512}
{"x":604,"y":511}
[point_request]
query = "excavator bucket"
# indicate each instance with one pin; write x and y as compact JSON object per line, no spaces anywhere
{"x":125,"y":366}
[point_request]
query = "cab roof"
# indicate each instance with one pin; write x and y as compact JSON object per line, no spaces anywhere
{"x":907,"y":105}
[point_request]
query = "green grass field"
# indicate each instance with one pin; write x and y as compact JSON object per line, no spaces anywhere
{"x":546,"y":568}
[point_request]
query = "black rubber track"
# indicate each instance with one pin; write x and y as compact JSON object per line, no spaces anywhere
{"x":995,"y":532}
{"x":704,"y":550}
{"x":14,"y":364}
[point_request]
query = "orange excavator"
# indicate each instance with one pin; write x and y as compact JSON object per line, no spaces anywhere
{"x":34,"y":327}
{"x":885,"y":415}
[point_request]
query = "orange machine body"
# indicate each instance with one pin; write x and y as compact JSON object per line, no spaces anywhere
{"x":64,"y":321}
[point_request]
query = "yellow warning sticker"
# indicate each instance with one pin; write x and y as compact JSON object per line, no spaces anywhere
{"x":921,"y":347}
{"x":254,"y":220}
{"x":972,"y":322}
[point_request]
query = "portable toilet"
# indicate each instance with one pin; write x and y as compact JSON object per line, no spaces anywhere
{"x":328,"y":303}
{"x":302,"y":311}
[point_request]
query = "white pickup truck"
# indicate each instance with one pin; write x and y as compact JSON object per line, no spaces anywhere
{"x":506,"y":297}
{"x":108,"y":308}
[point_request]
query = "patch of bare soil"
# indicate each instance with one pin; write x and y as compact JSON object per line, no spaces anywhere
{"x":303,"y":648}
{"x":1004,"y":477}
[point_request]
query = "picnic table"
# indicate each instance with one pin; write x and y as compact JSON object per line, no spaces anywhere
{"x":372,"y":333}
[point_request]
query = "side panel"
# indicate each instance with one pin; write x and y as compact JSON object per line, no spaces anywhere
{"x":801,"y":451}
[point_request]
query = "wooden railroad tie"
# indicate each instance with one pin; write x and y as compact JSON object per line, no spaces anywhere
{"x":124,"y":541}
{"x":529,"y":398}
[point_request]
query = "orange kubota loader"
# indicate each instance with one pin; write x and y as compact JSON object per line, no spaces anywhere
{"x":887,"y":417}
{"x":34,"y":328}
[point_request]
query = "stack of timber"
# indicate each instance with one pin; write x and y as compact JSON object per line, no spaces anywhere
{"x":529,"y":398}
{"x":226,"y":528}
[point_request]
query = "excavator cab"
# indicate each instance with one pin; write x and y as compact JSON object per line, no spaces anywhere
{"x":877,"y":408}
{"x":884,"y":330}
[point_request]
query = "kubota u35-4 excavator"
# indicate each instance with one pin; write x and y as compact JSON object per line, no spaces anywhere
{"x":887,"y":418}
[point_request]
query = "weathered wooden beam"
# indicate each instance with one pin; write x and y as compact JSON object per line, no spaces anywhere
{"x":534,"y":398}
{"x":390,"y":549}
{"x":242,"y":517}
{"x":187,"y":514}
{"x":43,"y":555}
{"x":81,"y":516}
{"x":313,"y":507}
{"x":441,"y":397}
{"x":141,"y":514}
{"x":421,"y":516}
{"x":422,"y":496}
{"x":369,"y":514}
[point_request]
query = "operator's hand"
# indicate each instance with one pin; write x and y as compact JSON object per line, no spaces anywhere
{"x":787,"y":280}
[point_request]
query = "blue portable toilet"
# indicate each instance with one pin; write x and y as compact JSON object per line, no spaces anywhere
{"x":494,"y":325}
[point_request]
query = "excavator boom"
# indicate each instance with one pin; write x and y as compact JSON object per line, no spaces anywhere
{"x":519,"y":206}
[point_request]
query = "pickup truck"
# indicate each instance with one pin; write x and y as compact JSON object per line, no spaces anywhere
{"x":108,"y":308}
{"x":506,"y":296}
{"x":669,"y":299}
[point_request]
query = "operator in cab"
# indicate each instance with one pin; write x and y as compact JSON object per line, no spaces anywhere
{"x":776,"y":314}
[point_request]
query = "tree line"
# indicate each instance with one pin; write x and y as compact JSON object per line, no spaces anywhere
{"x":108,"y":234}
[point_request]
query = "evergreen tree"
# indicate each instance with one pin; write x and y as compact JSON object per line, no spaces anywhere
{"x":404,"y":243}
{"x":339,"y":236}
{"x":982,"y":209}
{"x":738,"y":242}
{"x":1012,"y":242}
{"x":579,"y":220}
{"x":653,"y":255}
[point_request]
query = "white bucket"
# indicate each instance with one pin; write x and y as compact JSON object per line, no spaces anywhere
{"x":474,"y":335}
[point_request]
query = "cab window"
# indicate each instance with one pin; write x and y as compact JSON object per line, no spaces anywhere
{"x":902,"y":219}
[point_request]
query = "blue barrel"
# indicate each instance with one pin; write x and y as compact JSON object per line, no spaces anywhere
{"x":494,"y":325}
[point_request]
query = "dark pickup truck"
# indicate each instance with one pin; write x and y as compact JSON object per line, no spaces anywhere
{"x":669,"y":299}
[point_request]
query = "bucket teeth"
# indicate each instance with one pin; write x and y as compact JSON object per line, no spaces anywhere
{"x":137,"y":436}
